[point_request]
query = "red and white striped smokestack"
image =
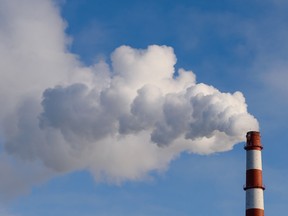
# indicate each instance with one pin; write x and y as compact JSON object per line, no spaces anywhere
{"x":254,"y":185}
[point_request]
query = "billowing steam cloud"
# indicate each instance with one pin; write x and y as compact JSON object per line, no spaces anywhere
{"x":118,"y":121}
{"x":128,"y":121}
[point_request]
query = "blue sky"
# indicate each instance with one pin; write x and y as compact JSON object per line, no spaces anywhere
{"x":231,"y":45}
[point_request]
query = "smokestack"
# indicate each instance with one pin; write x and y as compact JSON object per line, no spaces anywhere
{"x":254,"y":186}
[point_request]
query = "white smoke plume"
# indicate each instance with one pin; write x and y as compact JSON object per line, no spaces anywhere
{"x":119,"y":121}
